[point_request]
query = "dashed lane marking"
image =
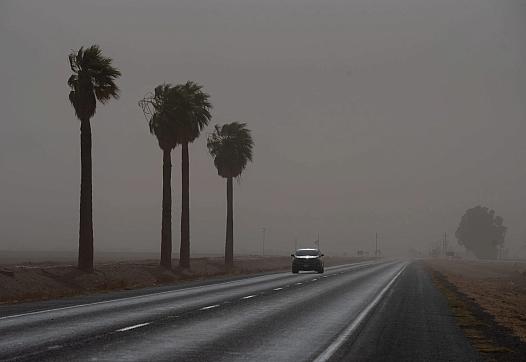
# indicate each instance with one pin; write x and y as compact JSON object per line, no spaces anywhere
{"x":210,"y":307}
{"x":132,"y":327}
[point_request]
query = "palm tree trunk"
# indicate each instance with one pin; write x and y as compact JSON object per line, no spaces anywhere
{"x":229,"y":244}
{"x":85,"y":259}
{"x":166,"y":224}
{"x":184,"y":254}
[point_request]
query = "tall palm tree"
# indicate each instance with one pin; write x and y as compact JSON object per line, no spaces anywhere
{"x":192,"y":111}
{"x":158,"y":109}
{"x":93,"y":80}
{"x":231,"y":147}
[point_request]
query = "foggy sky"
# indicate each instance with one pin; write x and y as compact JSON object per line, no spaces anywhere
{"x":392,"y":116}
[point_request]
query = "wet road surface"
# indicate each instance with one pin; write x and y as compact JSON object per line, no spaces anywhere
{"x":353,"y":312}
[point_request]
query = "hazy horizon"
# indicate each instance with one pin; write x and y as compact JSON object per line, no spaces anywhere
{"x":368,"y":116}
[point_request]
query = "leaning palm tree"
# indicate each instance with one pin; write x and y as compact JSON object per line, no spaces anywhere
{"x":93,"y":80}
{"x":192,"y":111}
{"x":231,"y":147}
{"x":158,"y":109}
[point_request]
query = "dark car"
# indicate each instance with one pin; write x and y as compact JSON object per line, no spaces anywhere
{"x":307,"y":259}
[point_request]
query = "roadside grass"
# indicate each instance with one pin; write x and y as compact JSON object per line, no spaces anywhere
{"x":493,"y":341}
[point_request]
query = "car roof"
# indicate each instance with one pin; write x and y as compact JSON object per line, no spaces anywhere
{"x":307,"y":249}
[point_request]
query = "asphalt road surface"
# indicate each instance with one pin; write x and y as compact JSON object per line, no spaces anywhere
{"x":364,"y":311}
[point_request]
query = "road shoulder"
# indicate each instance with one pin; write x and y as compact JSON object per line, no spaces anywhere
{"x":412,"y":323}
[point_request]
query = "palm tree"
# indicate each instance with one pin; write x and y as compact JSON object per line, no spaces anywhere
{"x":192,"y":112}
{"x":93,"y":80}
{"x":231,"y":147}
{"x":158,"y":109}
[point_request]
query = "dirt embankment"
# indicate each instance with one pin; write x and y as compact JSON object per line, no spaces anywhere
{"x":41,"y":281}
{"x":489,"y":301}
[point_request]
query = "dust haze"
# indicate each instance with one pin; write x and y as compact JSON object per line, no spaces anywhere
{"x":368,"y":116}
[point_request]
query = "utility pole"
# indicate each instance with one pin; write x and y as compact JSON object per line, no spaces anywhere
{"x":264,"y":230}
{"x":295,"y":244}
{"x":444,"y":245}
{"x":376,"y":245}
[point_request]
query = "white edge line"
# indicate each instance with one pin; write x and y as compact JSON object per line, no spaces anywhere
{"x":154,"y":294}
{"x":347,"y":332}
{"x":210,"y":307}
{"x":132,"y":327}
{"x":117,"y":300}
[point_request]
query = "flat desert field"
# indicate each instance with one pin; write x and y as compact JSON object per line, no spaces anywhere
{"x":498,"y":287}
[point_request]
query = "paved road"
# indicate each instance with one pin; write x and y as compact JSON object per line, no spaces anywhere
{"x":363,"y":311}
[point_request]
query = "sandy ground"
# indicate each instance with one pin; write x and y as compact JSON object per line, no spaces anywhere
{"x":50,"y":280}
{"x":497,"y":287}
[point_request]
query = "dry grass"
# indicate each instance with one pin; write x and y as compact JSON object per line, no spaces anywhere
{"x":489,"y":302}
{"x":472,"y":325}
{"x":498,"y":287}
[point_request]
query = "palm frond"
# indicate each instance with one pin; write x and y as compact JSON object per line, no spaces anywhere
{"x":191,"y":107}
{"x":231,"y":146}
{"x":156,"y":108}
{"x":93,"y":79}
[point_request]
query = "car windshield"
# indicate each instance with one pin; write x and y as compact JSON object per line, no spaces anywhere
{"x":307,"y":252}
